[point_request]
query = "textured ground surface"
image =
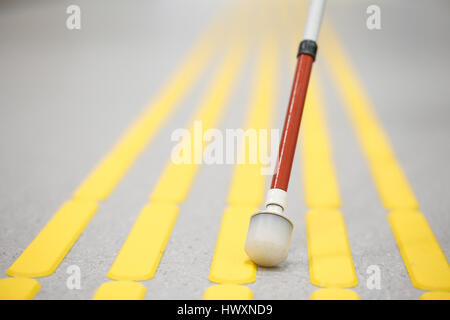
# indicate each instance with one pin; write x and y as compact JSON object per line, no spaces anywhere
{"x":66,"y":96}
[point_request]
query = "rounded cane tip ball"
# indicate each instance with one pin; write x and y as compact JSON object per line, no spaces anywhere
{"x":268,"y":239}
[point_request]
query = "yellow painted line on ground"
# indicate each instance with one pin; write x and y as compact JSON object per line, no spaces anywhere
{"x":230,"y":263}
{"x":48,"y":249}
{"x":334,"y":294}
{"x":420,"y":250}
{"x":228,"y":292}
{"x":321,"y":187}
{"x":18,"y":288}
{"x":426,"y":264}
{"x":330,"y":258}
{"x":120,"y":290}
{"x":140,"y":255}
{"x":435,"y":295}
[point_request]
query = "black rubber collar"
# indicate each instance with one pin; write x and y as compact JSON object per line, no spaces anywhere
{"x":308,"y":47}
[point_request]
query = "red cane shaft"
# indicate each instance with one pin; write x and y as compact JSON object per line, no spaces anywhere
{"x":292,"y":121}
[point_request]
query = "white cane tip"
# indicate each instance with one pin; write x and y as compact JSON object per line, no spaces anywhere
{"x":268,"y":239}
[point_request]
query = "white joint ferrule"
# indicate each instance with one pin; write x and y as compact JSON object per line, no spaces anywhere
{"x":276,"y":200}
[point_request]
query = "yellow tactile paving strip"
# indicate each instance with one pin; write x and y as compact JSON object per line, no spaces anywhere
{"x":228,"y":292}
{"x":48,"y":249}
{"x":420,"y":250}
{"x":426,"y":263}
{"x":120,"y":290}
{"x":330,"y":258}
{"x":140,"y":255}
{"x":321,"y":186}
{"x":230,"y":263}
{"x":18,"y":288}
{"x":435,"y":295}
{"x":176,"y":180}
{"x":391,"y":183}
{"x":241,"y":192}
{"x":334,"y":294}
